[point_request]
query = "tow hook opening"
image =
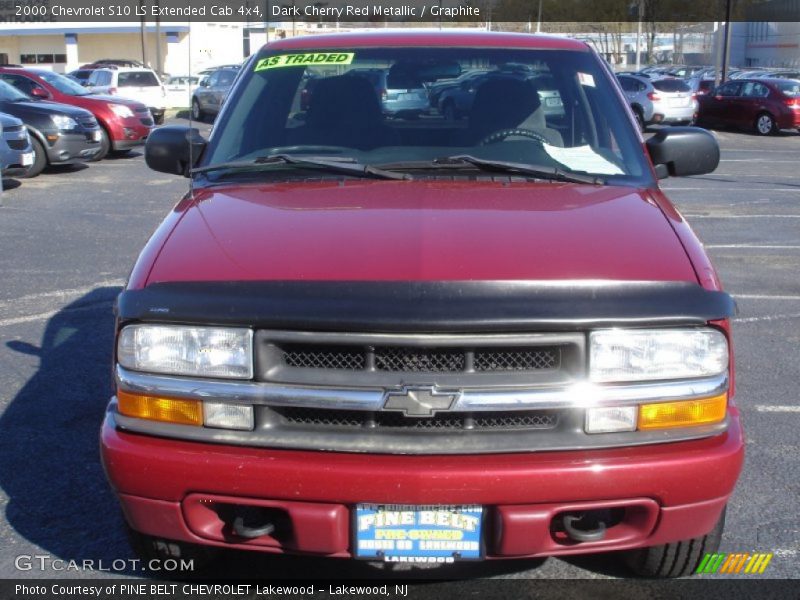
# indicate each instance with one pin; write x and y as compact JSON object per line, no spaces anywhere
{"x":585,"y":525}
{"x":252,"y":522}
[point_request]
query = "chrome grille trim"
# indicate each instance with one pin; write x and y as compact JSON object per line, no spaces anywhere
{"x":578,"y":395}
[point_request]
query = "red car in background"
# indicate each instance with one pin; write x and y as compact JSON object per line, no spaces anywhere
{"x":765,"y":105}
{"x":124,"y":123}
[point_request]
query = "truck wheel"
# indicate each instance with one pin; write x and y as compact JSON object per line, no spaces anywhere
{"x":105,"y":146}
{"x":149,"y":548}
{"x":39,"y":159}
{"x":676,"y":559}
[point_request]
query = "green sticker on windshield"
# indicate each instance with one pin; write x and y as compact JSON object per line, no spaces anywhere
{"x":305,"y":59}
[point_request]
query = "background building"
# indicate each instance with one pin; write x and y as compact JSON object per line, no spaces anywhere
{"x":64,"y":47}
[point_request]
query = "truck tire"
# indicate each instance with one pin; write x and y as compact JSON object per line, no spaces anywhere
{"x":676,"y":559}
{"x":149,"y":548}
{"x":39,"y":159}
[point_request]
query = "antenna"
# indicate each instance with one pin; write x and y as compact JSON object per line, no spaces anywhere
{"x":191,"y":137}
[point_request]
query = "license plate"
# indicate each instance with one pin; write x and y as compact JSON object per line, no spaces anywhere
{"x":418,"y":534}
{"x":27,"y":159}
{"x":677,"y":102}
{"x":553,"y":101}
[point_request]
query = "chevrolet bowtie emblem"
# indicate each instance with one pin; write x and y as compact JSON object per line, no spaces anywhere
{"x":418,"y":402}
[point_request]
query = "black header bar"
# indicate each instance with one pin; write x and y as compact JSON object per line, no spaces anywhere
{"x":396,"y":12}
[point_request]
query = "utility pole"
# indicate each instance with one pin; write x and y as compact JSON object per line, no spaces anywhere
{"x":159,"y":67}
{"x":726,"y":42}
{"x":638,"y":34}
{"x":539,"y":19}
{"x":144,"y":44}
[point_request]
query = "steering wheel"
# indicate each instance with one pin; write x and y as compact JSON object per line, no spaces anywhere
{"x":499,"y":136}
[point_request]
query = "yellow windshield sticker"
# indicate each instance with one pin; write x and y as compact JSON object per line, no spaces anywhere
{"x":305,"y":59}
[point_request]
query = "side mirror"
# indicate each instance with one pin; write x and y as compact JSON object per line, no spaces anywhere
{"x":681,"y":151}
{"x":173,"y":149}
{"x":39,"y":92}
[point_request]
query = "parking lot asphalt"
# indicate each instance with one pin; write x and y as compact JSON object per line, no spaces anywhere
{"x":69,"y":237}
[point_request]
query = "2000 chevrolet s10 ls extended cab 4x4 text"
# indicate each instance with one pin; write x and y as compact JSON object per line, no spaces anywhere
{"x":426,"y":340}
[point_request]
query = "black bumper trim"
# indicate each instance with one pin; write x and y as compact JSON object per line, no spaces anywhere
{"x":426,"y":306}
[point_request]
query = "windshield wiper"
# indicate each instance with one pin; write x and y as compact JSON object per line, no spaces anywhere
{"x":500,"y":166}
{"x":345,"y":165}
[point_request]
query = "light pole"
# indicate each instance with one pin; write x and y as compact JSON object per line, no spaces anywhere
{"x":539,"y":19}
{"x":726,"y":41}
{"x":638,"y":34}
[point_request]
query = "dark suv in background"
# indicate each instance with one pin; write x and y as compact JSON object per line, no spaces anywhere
{"x":212,"y":90}
{"x":60,"y":134}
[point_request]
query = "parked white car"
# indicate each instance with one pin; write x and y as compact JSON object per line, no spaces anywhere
{"x":180,"y":89}
{"x":137,"y":83}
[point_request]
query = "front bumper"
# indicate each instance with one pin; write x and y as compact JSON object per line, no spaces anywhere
{"x":72,"y":147}
{"x":130,"y":132}
{"x":668,"y":492}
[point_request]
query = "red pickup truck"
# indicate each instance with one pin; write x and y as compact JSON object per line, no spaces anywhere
{"x":426,"y":340}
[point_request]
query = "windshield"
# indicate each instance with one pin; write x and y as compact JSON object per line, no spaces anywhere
{"x":395,"y":106}
{"x":8,"y":93}
{"x":65,"y":85}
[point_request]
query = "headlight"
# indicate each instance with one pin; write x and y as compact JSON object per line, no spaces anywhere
{"x":649,"y":354}
{"x":178,"y":350}
{"x":64,"y":122}
{"x":121,"y":110}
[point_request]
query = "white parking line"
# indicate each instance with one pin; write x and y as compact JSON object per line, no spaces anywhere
{"x":755,"y":160}
{"x":754,"y":246}
{"x":767,"y":296}
{"x":742,"y":216}
{"x":50,"y":313}
{"x":777,"y":409}
{"x":67,"y":292}
{"x":709,"y":188}
{"x":767,"y":318}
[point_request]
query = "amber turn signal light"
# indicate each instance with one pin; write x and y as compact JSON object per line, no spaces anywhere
{"x":683,"y":413}
{"x":169,"y":410}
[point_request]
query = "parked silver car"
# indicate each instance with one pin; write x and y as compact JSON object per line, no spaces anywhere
{"x":212,"y":90}
{"x":669,"y":100}
{"x":401,"y":93}
{"x":16,"y":153}
{"x":637,"y":90}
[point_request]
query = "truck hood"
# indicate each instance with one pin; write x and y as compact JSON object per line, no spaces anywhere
{"x":421,"y":230}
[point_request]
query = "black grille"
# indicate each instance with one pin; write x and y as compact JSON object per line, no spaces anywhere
{"x":88,"y":122}
{"x":407,"y":359}
{"x":13,"y":128}
{"x":312,"y":417}
{"x":517,"y":359}
{"x":324,"y":357}
{"x":17,"y":144}
{"x":147,"y":121}
{"x":419,"y":360}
